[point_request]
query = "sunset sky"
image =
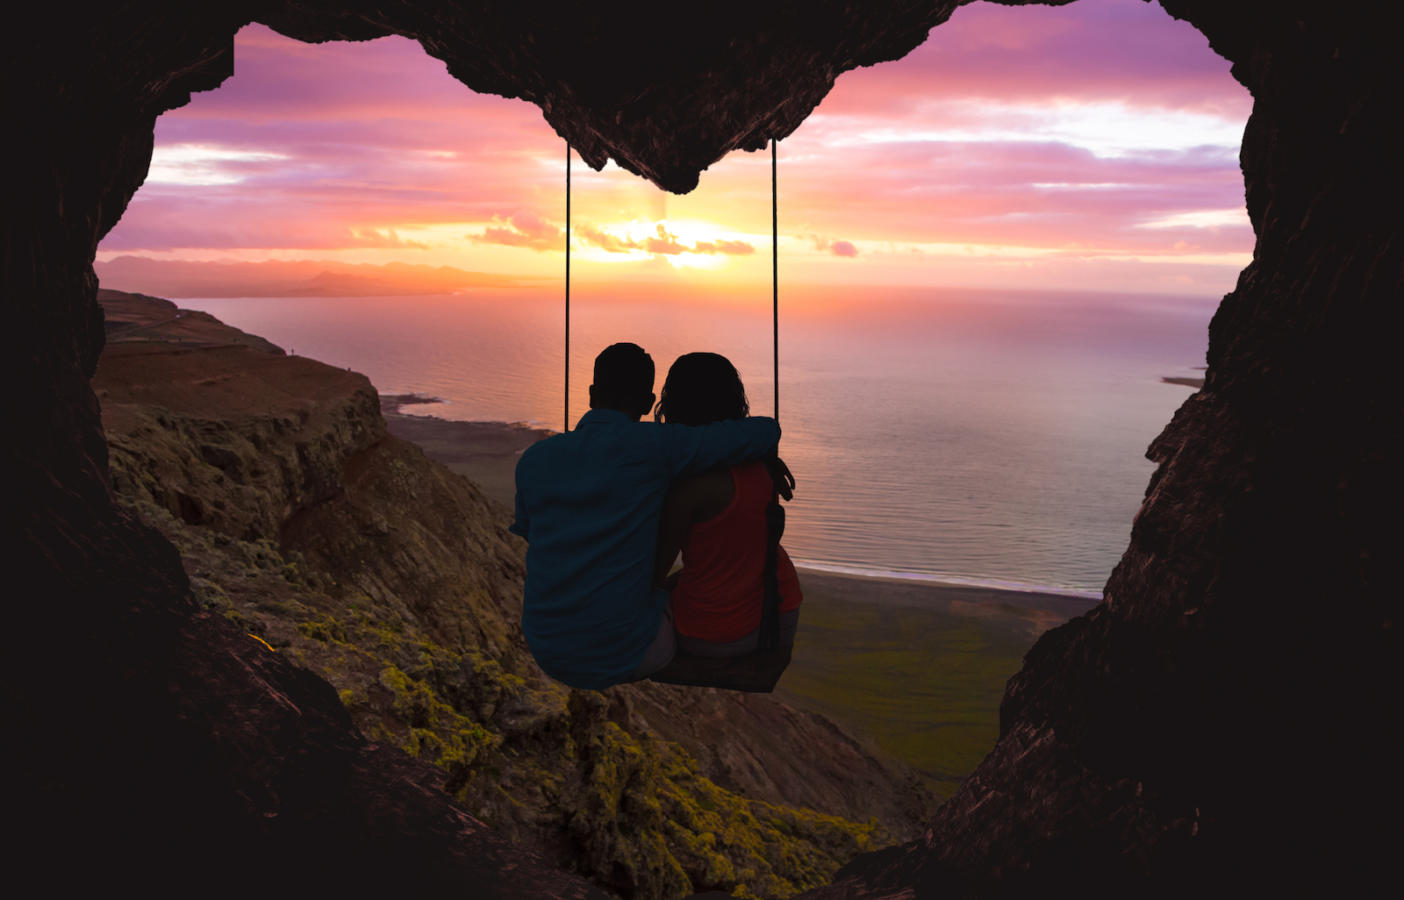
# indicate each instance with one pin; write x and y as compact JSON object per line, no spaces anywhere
{"x":1087,"y":147}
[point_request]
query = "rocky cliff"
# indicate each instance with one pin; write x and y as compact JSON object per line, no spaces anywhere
{"x":1227,"y":716}
{"x":299,"y":519}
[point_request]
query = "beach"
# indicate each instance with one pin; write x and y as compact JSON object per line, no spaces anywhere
{"x":917,"y":666}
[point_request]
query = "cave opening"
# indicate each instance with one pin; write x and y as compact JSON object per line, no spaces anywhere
{"x":1089,"y":216}
{"x":1274,"y":490}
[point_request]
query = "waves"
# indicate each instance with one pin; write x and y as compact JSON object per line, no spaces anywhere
{"x":938,"y":578}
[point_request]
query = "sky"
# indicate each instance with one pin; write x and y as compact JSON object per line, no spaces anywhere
{"x":1091,"y":147}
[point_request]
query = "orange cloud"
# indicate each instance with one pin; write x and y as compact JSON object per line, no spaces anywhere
{"x":381,"y":238}
{"x":664,"y":243}
{"x":602,"y":239}
{"x":292,"y":278}
{"x":729,"y":248}
{"x":521,"y":230}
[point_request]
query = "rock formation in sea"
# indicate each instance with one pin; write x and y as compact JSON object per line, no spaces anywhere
{"x":1226,"y":719}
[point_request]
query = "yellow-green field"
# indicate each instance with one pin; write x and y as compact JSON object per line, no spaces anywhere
{"x":917,"y":667}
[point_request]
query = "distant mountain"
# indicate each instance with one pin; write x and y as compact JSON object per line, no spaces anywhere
{"x":292,"y":278}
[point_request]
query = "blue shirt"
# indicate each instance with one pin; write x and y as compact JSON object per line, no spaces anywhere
{"x":588,"y":503}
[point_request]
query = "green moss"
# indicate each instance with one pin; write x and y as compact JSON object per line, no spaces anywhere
{"x":647,"y":816}
{"x":437,"y":732}
{"x":324,"y":629}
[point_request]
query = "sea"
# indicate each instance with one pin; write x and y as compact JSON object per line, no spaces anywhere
{"x":976,"y":437}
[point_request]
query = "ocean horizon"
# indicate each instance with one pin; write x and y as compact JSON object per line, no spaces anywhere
{"x":977,"y":438}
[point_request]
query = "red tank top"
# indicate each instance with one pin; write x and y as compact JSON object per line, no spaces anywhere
{"x":721,"y":591}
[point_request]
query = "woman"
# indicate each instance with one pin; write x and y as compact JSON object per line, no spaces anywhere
{"x":717,"y":519}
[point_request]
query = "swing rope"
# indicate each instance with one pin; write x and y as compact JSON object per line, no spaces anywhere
{"x":768,"y":638}
{"x":774,"y":280}
{"x":567,"y":293}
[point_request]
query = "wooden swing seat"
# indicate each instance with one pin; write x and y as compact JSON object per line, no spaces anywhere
{"x":755,"y":673}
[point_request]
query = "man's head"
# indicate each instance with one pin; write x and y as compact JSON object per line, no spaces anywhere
{"x":623,"y":380}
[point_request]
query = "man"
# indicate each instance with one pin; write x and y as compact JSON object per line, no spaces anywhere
{"x":588,"y":503}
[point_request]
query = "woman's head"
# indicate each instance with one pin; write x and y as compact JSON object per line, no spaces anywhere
{"x":702,"y":388}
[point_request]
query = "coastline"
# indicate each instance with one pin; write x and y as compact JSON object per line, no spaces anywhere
{"x":818,"y":567}
{"x":483,"y":452}
{"x":486,"y":452}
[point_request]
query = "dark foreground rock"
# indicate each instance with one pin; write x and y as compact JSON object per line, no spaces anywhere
{"x":150,"y":743}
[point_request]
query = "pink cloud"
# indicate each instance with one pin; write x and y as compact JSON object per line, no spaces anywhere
{"x":274,"y":278}
{"x":525,"y":229}
{"x":1017,"y":193}
{"x":177,"y":227}
{"x":383,"y":237}
{"x":729,"y":248}
{"x":665,"y":243}
{"x":348,"y":137}
{"x":611,"y":243}
{"x":837,"y":248}
{"x":1091,"y":49}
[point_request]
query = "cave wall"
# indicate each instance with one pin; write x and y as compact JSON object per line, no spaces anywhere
{"x":1230,"y":706}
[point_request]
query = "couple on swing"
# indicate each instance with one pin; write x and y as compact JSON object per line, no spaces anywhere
{"x":606,"y":508}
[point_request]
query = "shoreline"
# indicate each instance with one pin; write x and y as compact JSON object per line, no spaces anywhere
{"x":819,"y":567}
{"x":483,"y":452}
{"x":394,"y":405}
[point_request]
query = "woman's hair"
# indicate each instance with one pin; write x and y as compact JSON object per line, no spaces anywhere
{"x":701,"y":388}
